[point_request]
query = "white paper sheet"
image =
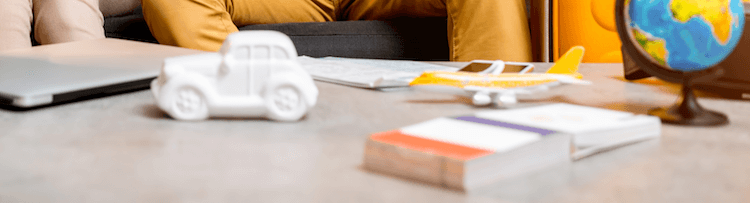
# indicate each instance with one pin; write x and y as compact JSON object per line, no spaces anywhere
{"x":367,"y":73}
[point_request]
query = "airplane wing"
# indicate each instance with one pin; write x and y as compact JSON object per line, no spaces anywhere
{"x":568,"y":79}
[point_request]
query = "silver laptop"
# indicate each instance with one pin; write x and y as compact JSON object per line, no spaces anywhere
{"x":49,"y":74}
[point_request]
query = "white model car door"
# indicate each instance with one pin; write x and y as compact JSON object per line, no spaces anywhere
{"x":261,"y":60}
{"x":233,"y":80}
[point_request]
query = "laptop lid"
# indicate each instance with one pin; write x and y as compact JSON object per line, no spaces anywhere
{"x":63,"y":72}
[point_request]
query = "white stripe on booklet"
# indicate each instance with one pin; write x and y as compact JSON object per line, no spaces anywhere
{"x":471,"y":134}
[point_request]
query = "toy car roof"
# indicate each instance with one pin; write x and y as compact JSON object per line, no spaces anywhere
{"x":259,"y":37}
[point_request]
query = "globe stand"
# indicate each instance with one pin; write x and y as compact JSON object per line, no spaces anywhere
{"x":688,"y":111}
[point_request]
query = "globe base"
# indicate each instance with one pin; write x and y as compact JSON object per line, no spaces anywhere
{"x":704,"y":118}
{"x":689,"y":112}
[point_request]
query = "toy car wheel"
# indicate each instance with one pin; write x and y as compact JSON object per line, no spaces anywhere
{"x":189,"y":104}
{"x":286,"y":103}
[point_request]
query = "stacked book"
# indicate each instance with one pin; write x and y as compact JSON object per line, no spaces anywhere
{"x":468,"y":152}
{"x":594,"y":129}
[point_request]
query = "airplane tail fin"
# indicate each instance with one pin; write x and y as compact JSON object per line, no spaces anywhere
{"x":568,"y":62}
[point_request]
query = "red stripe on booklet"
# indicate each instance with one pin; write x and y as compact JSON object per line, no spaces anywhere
{"x":397,"y":138}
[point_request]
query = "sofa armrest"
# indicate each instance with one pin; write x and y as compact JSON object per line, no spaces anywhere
{"x":131,"y":26}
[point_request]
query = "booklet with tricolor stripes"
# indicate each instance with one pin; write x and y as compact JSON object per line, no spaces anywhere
{"x":466,"y":152}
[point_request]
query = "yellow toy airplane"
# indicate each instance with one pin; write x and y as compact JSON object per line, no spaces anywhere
{"x":492,"y":86}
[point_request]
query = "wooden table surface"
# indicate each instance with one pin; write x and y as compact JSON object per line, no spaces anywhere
{"x":124,"y":149}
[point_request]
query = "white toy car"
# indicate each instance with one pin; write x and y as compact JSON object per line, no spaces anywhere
{"x":255,"y":74}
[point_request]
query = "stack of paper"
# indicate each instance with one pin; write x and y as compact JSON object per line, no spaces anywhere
{"x":594,"y":129}
{"x":471,"y":151}
{"x":464,"y":152}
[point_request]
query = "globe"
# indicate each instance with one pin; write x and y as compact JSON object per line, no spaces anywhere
{"x":681,"y":41}
{"x":684,"y":35}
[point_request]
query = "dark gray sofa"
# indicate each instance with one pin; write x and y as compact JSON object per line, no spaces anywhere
{"x":404,"y":38}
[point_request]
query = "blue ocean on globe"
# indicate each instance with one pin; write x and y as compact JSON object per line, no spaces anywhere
{"x":688,"y":46}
